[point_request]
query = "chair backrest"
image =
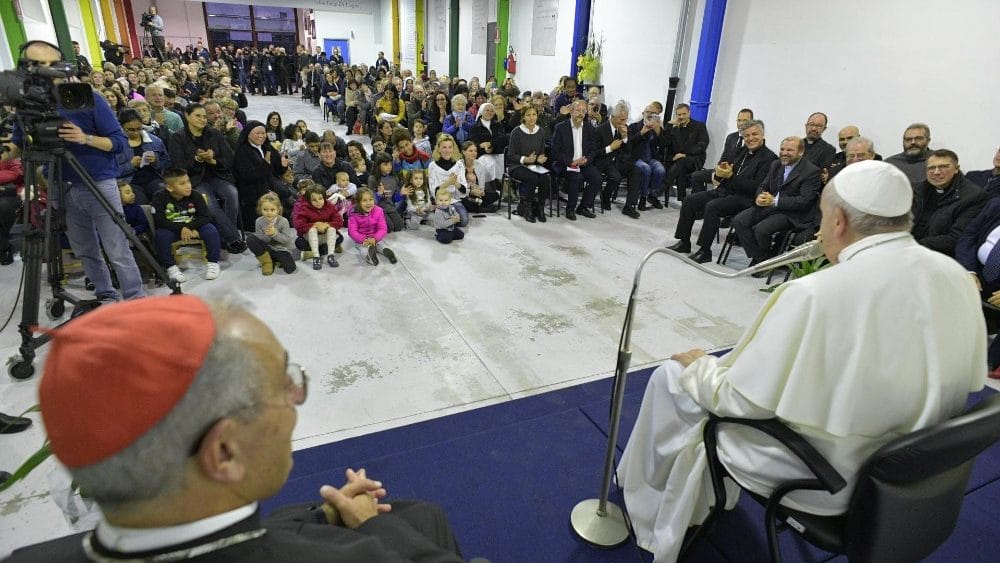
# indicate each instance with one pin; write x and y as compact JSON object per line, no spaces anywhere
{"x":909,"y":492}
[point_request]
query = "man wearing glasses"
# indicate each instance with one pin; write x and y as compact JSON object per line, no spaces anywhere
{"x":912,"y":160}
{"x":178,"y":447}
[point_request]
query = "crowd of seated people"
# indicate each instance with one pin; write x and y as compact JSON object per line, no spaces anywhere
{"x":469,"y":136}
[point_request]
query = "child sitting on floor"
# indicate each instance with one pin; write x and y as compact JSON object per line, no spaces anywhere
{"x":179,"y":214}
{"x":384,"y":183}
{"x":446,"y":218}
{"x":273,"y":237}
{"x":418,"y":199}
{"x":366,"y":226}
{"x":314,"y":216}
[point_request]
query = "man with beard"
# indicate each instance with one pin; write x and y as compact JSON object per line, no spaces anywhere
{"x":786,"y":200}
{"x":911,"y":161}
{"x":818,"y":151}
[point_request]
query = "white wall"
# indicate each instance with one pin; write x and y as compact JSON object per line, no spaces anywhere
{"x":335,"y":25}
{"x":436,"y":59}
{"x":877,"y":65}
{"x":36,"y":19}
{"x":470,"y":65}
{"x":540,"y":72}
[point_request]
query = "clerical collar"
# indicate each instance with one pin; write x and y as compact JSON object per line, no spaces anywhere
{"x":852,"y":250}
{"x":134,"y":540}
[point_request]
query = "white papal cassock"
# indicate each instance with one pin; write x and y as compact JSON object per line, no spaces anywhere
{"x":890,"y":340}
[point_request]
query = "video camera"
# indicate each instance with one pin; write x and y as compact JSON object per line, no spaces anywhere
{"x":32,"y":90}
{"x":147,"y":20}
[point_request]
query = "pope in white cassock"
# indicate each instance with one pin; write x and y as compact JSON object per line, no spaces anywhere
{"x":888,"y":340}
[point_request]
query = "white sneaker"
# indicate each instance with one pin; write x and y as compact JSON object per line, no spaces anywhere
{"x":212,"y":270}
{"x":174,"y":272}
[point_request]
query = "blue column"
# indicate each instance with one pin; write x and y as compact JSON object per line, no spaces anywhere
{"x":708,"y":56}
{"x":581,"y":29}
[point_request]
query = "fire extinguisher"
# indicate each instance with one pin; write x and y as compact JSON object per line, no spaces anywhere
{"x":511,"y":64}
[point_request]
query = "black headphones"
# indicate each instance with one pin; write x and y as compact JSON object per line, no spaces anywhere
{"x":23,"y":63}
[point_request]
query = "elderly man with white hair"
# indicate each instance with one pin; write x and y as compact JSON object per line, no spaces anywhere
{"x":844,"y":355}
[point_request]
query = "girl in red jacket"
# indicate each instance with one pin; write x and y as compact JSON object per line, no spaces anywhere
{"x":314,"y":217}
{"x":366,"y":225}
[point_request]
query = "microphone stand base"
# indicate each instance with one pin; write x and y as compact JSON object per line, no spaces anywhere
{"x":600,"y":531}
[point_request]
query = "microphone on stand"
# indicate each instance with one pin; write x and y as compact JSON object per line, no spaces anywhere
{"x":597,"y":521}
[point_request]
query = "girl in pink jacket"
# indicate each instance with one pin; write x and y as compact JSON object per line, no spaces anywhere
{"x":366,"y":226}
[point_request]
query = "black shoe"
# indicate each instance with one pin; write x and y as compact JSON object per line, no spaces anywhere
{"x":372,"y":255}
{"x":642,"y":204}
{"x":285,"y":260}
{"x":763,"y":274}
{"x":702,"y":256}
{"x":390,"y":255}
{"x":585,"y":212}
{"x":331,"y":260}
{"x":317,"y":263}
{"x":682,"y":246}
{"x":570,"y":215}
{"x":7,"y":256}
{"x":13,"y":424}
{"x":236,"y":247}
{"x":655,"y":202}
{"x":605,"y":204}
{"x":4,"y":475}
{"x":631,"y":212}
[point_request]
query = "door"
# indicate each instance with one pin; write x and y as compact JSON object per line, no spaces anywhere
{"x":345,"y":48}
{"x":491,"y":51}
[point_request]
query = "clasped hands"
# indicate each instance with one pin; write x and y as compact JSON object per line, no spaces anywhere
{"x":356,"y":502}
{"x":535,"y":159}
{"x":205,"y":155}
{"x":765,"y":199}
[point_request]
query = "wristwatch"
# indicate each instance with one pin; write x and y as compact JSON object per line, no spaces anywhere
{"x":90,"y":138}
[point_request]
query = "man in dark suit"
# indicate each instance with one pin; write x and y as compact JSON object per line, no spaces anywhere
{"x":178,"y":447}
{"x":686,"y":142}
{"x":818,"y":151}
{"x":945,"y":203}
{"x":734,"y":141}
{"x":615,"y":161}
{"x":574,"y":146}
{"x":788,"y":199}
{"x":978,"y":252}
{"x":735,"y":184}
{"x":988,"y":179}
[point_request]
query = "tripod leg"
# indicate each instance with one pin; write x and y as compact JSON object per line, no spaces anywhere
{"x":120,"y":222}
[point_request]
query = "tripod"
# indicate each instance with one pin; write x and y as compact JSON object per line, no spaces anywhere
{"x":45,"y":243}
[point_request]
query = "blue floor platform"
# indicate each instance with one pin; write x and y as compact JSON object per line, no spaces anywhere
{"x":508,"y":475}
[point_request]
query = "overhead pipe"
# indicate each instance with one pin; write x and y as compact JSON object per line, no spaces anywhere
{"x":679,"y":46}
{"x":708,"y":56}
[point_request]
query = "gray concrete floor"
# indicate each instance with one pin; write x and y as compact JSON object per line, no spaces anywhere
{"x":513,"y":310}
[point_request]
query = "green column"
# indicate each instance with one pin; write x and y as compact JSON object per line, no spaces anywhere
{"x":503,"y":24}
{"x":453,"y":40}
{"x":62,"y":29}
{"x":12,"y":25}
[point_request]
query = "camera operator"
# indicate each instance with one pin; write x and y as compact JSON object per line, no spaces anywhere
{"x":82,"y":62}
{"x":94,"y":137}
{"x":154,"y":23}
{"x":113,"y":52}
{"x":11,"y":185}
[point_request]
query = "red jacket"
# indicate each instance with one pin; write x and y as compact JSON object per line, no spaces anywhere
{"x":11,"y":173}
{"x":304,"y":215}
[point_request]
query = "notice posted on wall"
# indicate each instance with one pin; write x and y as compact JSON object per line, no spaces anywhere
{"x":544,"y":22}
{"x":440,"y":25}
{"x":479,"y":19}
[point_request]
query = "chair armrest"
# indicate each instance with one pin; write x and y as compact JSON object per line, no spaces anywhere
{"x":825,"y":473}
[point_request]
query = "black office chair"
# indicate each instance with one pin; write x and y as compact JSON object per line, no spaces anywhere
{"x":908,"y":493}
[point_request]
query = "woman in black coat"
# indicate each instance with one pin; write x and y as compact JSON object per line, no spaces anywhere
{"x":259,"y":164}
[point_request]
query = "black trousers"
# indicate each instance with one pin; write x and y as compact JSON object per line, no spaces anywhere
{"x":756,"y":228}
{"x":588,"y":177}
{"x":710,"y":206}
{"x":679,"y":174}
{"x":614,"y":172}
{"x":8,"y":216}
{"x":445,"y":236}
{"x":530,"y":182}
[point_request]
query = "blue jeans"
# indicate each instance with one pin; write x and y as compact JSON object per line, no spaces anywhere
{"x":652,"y":175}
{"x":165,"y":238}
{"x":226,"y":218}
{"x":89,"y":227}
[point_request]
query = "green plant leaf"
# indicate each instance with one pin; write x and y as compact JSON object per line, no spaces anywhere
{"x":28,"y":466}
